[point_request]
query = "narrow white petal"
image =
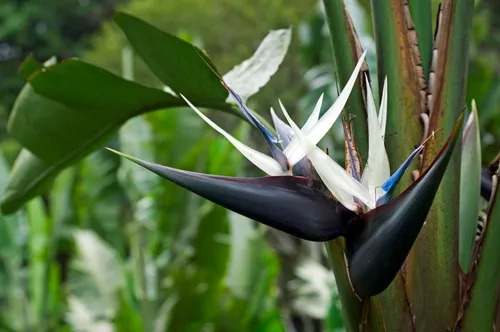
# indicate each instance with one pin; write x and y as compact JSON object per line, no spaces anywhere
{"x":377,"y":170}
{"x":293,"y":152}
{"x":314,"y":117}
{"x":262,"y":161}
{"x":382,"y":113}
{"x":337,"y":180}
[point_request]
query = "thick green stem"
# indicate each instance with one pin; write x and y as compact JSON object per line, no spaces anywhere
{"x":352,"y":306}
{"x":421,"y":13}
{"x":433,"y":266}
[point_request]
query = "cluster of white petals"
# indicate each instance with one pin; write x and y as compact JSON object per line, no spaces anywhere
{"x":351,"y":193}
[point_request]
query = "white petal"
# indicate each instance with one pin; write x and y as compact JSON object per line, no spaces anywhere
{"x":377,"y":170}
{"x":293,"y":152}
{"x":262,"y":161}
{"x":314,"y":117}
{"x":382,"y":113}
{"x":338,"y":181}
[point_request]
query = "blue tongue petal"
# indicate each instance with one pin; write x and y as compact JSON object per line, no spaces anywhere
{"x":393,"y":180}
{"x":277,"y":154}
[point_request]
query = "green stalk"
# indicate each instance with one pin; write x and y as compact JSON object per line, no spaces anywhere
{"x":351,"y":305}
{"x":345,"y":57}
{"x":421,"y":13}
{"x":433,"y":266}
{"x":396,"y":59}
{"x":480,"y":311}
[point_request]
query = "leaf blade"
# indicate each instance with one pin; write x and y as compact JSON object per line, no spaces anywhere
{"x":180,"y":65}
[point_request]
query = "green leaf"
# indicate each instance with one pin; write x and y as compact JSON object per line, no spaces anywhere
{"x":183,"y":67}
{"x":480,"y":311}
{"x":69,"y":108}
{"x":470,"y":187}
{"x":27,"y":179}
{"x":252,"y":74}
{"x":62,"y":122}
{"x":29,"y":66}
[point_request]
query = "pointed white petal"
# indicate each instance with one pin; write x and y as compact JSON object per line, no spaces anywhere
{"x":293,"y":152}
{"x":314,"y":117}
{"x":382,"y":113}
{"x":377,"y":169}
{"x":262,"y":161}
{"x":337,"y":180}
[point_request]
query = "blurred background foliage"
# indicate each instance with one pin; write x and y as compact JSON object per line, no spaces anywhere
{"x":111,"y":247}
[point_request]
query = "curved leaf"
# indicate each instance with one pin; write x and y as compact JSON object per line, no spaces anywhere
{"x":178,"y":64}
{"x":27,"y":179}
{"x":72,"y":104}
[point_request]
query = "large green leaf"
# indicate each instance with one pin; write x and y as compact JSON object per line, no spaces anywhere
{"x":470,"y":187}
{"x":68,"y":108}
{"x":181,"y":66}
{"x":62,"y":122}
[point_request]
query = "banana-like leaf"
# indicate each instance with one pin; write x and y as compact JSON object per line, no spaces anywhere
{"x":378,"y":242}
{"x":69,"y":109}
{"x":177,"y":63}
{"x":70,"y":106}
{"x":470,"y":186}
{"x":291,"y":204}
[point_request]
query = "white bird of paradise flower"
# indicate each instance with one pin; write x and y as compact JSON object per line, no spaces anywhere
{"x":359,"y":195}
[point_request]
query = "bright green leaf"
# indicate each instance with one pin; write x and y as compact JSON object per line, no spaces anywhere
{"x":181,"y":66}
{"x":86,"y":104}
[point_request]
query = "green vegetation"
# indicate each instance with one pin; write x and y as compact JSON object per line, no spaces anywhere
{"x":89,"y":241}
